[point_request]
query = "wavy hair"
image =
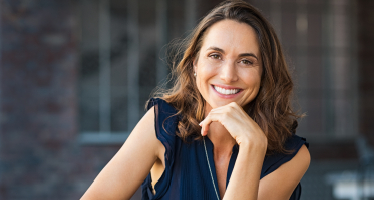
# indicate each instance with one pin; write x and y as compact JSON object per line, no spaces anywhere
{"x":271,"y":109}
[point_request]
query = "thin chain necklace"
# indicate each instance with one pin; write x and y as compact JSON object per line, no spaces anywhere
{"x":211,"y":175}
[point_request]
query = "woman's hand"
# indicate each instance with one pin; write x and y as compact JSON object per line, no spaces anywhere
{"x":244,"y":181}
{"x":237,"y":122}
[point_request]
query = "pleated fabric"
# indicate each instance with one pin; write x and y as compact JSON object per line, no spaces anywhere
{"x":186,"y":175}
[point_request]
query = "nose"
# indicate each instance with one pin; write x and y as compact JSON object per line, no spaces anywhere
{"x":228,"y":72}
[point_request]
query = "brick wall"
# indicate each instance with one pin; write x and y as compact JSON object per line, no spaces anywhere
{"x":40,"y":157}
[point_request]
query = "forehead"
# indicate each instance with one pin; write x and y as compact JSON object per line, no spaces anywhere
{"x":232,"y":36}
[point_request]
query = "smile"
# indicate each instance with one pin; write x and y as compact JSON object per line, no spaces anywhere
{"x":226,"y":91}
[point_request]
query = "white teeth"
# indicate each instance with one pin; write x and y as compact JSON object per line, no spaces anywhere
{"x":224,"y":91}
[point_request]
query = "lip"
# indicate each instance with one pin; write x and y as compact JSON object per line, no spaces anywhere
{"x":226,"y":96}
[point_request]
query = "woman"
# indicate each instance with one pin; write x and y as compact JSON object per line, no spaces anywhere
{"x":226,"y":129}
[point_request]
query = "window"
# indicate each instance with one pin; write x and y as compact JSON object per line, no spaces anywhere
{"x":122,"y":44}
{"x":319,"y":41}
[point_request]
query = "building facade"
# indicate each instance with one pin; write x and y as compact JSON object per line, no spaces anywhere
{"x":75,"y":75}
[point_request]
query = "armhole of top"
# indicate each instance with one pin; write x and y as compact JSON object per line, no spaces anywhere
{"x":164,"y":124}
{"x":273,"y":162}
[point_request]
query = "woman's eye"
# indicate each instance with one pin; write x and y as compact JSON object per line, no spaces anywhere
{"x":246,"y":62}
{"x":215,"y":56}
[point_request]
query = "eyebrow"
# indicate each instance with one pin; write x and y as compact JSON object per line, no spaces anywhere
{"x":240,"y":55}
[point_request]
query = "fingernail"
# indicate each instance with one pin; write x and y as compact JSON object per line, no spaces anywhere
{"x":200,"y":123}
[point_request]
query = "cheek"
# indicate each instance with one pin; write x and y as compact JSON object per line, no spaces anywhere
{"x":252,"y":78}
{"x":198,"y":83}
{"x":205,"y":71}
{"x":258,"y":76}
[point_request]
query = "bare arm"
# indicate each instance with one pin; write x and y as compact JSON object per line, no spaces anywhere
{"x":125,"y":172}
{"x":278,"y":185}
{"x":245,"y":181}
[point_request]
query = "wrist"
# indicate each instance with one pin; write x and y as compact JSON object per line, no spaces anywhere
{"x":253,"y":144}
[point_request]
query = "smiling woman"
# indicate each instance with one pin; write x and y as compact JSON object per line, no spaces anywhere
{"x":227,"y":61}
{"x":226,"y":130}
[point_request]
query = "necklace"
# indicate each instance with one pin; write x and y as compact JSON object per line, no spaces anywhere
{"x":211,"y":175}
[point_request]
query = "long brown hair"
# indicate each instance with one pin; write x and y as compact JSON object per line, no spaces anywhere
{"x":271,"y":109}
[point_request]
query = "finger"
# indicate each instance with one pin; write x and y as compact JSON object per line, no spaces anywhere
{"x":212,"y":117}
{"x":229,"y":108}
{"x":204,"y":127}
{"x":219,"y":113}
{"x":218,"y":109}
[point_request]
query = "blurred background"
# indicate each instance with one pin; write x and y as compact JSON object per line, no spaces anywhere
{"x":75,"y":76}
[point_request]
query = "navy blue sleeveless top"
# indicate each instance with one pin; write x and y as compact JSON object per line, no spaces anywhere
{"x":186,"y":175}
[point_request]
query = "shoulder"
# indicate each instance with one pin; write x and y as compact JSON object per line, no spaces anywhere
{"x":144,"y":132}
{"x":290,"y":167}
{"x":296,"y":163}
{"x":161,"y":105}
{"x":166,"y":116}
{"x":166,"y":121}
{"x":300,"y":155}
{"x":152,"y":130}
{"x":301,"y":159}
{"x":295,"y":144}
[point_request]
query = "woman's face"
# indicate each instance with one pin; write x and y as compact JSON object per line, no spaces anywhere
{"x":229,"y":65}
